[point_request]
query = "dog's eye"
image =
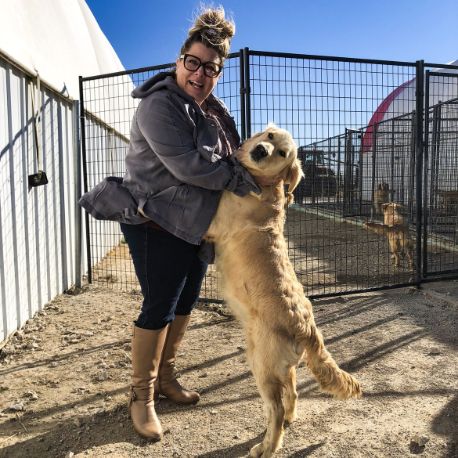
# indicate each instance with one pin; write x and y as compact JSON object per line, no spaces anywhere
{"x":281,"y":153}
{"x":271,"y":136}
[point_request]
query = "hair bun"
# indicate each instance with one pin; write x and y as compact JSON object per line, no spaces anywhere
{"x":214,"y":29}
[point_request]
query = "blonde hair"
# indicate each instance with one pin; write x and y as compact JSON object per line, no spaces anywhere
{"x":213,"y":29}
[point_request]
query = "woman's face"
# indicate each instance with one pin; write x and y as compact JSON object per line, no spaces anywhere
{"x":196,"y":83}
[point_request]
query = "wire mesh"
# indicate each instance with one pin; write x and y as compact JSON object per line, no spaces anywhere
{"x":355,"y":125}
{"x":441,"y":175}
{"x":354,"y":129}
{"x":109,"y":108}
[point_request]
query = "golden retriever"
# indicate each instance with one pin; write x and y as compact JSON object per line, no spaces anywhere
{"x":261,"y":287}
{"x":396,"y":229}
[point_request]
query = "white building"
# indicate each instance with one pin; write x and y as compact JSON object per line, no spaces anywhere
{"x":390,"y":133}
{"x":44,"y":46}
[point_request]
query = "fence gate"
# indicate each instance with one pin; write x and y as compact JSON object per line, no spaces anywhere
{"x":366,"y":136}
{"x":441,"y":175}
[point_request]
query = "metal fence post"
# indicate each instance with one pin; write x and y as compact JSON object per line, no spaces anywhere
{"x":84,"y":163}
{"x":419,"y":107}
{"x":428,"y":208}
{"x":374,"y":160}
{"x":246,"y":58}
{"x":77,"y":178}
{"x":242,"y":95}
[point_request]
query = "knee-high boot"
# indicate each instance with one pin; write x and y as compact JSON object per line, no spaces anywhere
{"x":168,"y":384}
{"x":147,"y":346}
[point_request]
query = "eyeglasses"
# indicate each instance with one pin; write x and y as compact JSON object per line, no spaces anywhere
{"x":193,"y":63}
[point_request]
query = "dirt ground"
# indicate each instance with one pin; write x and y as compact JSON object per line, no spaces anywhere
{"x":64,"y":380}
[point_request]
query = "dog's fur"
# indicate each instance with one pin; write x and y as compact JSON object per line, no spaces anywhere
{"x":396,"y":229}
{"x":260,"y":285}
{"x":393,"y":214}
{"x":381,"y":196}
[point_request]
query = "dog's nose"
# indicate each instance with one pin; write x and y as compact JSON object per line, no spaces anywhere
{"x":258,"y":153}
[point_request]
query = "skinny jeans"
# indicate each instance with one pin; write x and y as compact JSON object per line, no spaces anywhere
{"x":169,"y":271}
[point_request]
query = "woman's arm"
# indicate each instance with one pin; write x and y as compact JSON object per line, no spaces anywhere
{"x":169,"y":131}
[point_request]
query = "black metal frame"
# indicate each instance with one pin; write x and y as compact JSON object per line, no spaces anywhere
{"x":436,"y":116}
{"x":340,"y":95}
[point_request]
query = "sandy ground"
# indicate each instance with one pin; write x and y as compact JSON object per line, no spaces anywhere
{"x":64,"y":379}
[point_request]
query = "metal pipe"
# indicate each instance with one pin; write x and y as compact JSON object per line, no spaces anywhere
{"x":84,"y":164}
{"x":419,"y":106}
{"x":77,"y":182}
{"x":242,"y":95}
{"x":246,"y":56}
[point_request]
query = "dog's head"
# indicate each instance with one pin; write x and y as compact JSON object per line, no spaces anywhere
{"x":272,"y":153}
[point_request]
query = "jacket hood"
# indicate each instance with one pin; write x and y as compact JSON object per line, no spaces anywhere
{"x":164,"y":80}
{"x":167,"y":80}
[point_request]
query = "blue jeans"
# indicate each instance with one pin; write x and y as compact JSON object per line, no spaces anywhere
{"x":169,"y":271}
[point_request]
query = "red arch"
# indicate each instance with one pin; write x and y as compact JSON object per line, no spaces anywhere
{"x":379,"y":114}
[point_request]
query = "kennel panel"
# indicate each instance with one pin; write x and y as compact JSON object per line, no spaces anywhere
{"x":108,"y":111}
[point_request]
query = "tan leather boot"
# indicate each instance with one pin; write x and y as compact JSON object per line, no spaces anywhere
{"x":147,"y":348}
{"x":168,"y":384}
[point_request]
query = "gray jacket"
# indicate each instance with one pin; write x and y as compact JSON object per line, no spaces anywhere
{"x":176,"y":164}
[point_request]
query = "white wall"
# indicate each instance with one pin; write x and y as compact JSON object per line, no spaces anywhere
{"x":38,"y":225}
{"x":42,"y":233}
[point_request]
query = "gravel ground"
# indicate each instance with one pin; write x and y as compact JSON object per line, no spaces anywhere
{"x":64,"y":381}
{"x":64,"y":376}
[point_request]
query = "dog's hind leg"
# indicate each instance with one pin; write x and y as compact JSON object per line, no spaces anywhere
{"x":409,"y":253}
{"x":290,"y":395}
{"x":396,"y":249}
{"x":396,"y":260}
{"x":271,"y":391}
{"x":409,"y":258}
{"x":331,"y":378}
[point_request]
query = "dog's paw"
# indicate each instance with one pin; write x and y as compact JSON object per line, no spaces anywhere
{"x":257,"y":451}
{"x":289,"y":198}
{"x":350,"y":389}
{"x":290,"y":418}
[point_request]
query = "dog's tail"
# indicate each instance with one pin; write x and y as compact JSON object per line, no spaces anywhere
{"x":331,"y":378}
{"x":378,"y":228}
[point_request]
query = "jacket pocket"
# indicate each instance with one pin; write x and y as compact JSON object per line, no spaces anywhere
{"x":208,"y":143}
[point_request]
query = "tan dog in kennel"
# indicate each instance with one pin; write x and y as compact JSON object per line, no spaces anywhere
{"x":396,"y":229}
{"x":381,"y":196}
{"x":261,"y":287}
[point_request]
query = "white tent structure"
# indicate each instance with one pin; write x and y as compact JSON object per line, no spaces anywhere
{"x":58,"y":39}
{"x":44,"y":46}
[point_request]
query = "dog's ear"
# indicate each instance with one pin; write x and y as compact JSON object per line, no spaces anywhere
{"x":293,"y":175}
{"x":385,"y":206}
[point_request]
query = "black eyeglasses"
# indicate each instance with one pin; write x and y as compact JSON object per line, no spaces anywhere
{"x":193,"y":63}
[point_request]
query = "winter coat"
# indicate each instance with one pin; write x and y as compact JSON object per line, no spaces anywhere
{"x":177,"y":164}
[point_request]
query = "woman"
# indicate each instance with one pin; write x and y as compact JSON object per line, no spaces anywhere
{"x":178,"y":163}
{"x":181,"y":137}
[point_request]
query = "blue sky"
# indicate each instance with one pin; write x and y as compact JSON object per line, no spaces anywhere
{"x":150,"y":32}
